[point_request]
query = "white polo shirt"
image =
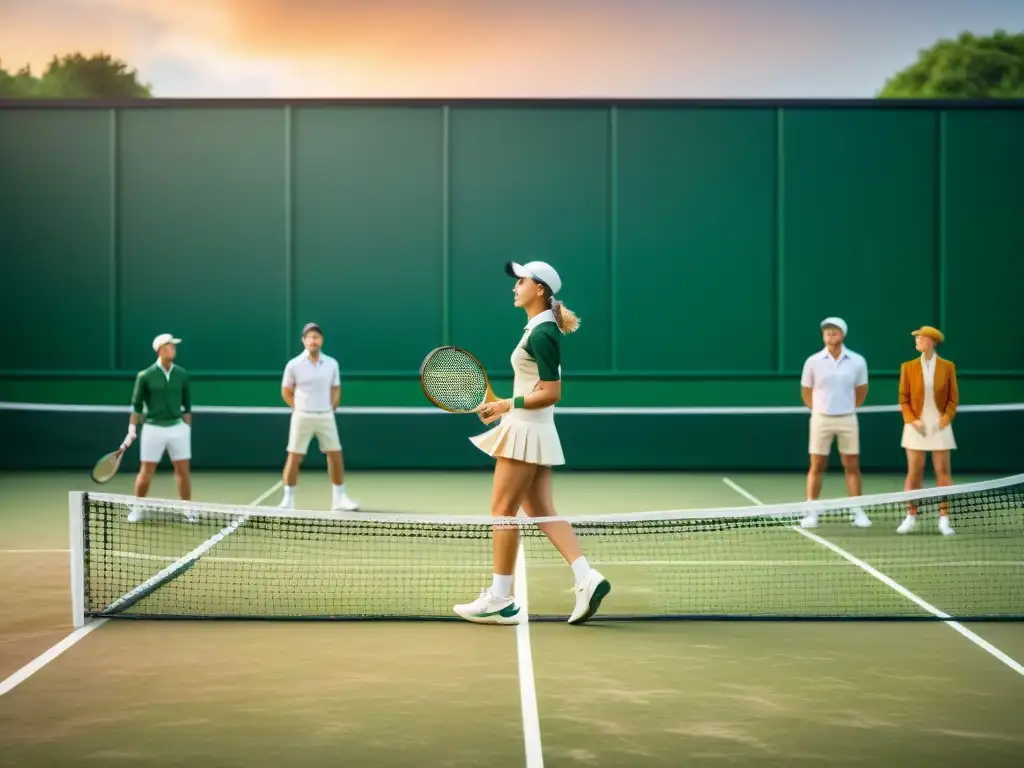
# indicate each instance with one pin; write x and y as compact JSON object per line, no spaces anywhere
{"x":311,"y":381}
{"x":834,"y":381}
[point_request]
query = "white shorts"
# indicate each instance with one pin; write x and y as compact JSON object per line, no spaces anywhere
{"x":305,"y":426}
{"x":842,"y":429}
{"x":176,"y":440}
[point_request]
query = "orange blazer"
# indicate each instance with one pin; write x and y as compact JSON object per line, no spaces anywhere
{"x":912,"y":389}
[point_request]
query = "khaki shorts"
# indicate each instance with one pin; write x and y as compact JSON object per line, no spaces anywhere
{"x":843,"y":429}
{"x":305,"y":426}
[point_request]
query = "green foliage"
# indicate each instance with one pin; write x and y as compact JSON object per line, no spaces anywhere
{"x":18,"y":85}
{"x":75,"y":76}
{"x":969,"y":67}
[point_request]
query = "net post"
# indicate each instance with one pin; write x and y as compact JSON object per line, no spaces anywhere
{"x":76,"y":533}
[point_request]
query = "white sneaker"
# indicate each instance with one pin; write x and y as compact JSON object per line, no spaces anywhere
{"x":908,"y":524}
{"x":136,"y":514}
{"x":488,"y":609}
{"x":287,"y":503}
{"x":811,"y":521}
{"x":344,"y":504}
{"x":945,"y":527}
{"x":860,"y":519}
{"x":589,"y":595}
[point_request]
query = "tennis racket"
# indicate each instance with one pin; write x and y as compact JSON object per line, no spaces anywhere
{"x":454,"y":380}
{"x":107,"y":467}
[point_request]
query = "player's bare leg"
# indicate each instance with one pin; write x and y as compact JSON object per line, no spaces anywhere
{"x":142,"y":481}
{"x":851,"y":469}
{"x":512,"y":480}
{"x":336,"y":469}
{"x":590,"y":586}
{"x":290,"y":476}
{"x":183,"y":479}
{"x":943,"y":477}
{"x":815,"y":477}
{"x":915,"y":479}
{"x":539,"y":502}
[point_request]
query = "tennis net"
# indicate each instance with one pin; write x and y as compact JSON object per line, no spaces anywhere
{"x":753,"y":562}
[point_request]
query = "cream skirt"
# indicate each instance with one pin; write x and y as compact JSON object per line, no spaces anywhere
{"x":933,"y":438}
{"x":534,"y":441}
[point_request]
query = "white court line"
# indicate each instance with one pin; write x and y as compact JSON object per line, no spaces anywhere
{"x":527,"y":682}
{"x":981,"y":642}
{"x":34,"y":551}
{"x":50,"y":654}
{"x":42,"y":660}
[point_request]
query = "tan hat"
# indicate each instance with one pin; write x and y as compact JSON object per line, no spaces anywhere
{"x":164,"y":338}
{"x":932,"y":333}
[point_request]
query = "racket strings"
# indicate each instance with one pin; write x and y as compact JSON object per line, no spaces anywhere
{"x":106,"y":467}
{"x":454,"y":380}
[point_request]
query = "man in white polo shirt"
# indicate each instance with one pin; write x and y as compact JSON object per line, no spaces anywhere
{"x":312,"y":388}
{"x":834,"y":385}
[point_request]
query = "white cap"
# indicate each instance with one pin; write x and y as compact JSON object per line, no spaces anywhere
{"x":838,"y":322}
{"x":536,"y":270}
{"x":164,"y":338}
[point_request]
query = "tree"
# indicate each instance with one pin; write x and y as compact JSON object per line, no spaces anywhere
{"x":75,"y":76}
{"x":969,"y":67}
{"x":19,"y":85}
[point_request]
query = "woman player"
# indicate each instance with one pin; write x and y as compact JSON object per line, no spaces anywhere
{"x":928,"y":399}
{"x":525,"y":445}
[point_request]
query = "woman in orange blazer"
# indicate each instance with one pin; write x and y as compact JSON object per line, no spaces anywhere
{"x":928,"y":399}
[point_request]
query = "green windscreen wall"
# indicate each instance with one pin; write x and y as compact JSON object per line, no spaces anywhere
{"x":700,"y":244}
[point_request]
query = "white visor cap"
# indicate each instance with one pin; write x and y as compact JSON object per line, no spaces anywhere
{"x":164,"y":338}
{"x":838,"y":322}
{"x":536,"y":270}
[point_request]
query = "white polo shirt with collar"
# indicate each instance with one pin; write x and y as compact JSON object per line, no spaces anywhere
{"x":314,"y":413}
{"x":834,"y":381}
{"x":312,"y":382}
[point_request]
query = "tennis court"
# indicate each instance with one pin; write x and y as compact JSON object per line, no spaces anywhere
{"x":611,"y":693}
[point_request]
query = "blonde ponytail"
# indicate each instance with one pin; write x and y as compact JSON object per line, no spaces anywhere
{"x":564,"y":317}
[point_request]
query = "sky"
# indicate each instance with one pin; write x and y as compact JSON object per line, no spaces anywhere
{"x":499,"y":48}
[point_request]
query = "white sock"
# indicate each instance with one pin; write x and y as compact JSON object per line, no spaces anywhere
{"x":580,"y":569}
{"x":339,"y":491}
{"x":501,"y":586}
{"x":289,"y":492}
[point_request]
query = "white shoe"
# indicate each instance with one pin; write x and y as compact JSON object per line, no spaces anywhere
{"x":136,"y":514}
{"x":344,"y":504}
{"x":860,"y":519}
{"x":811,"y":521}
{"x":287,"y":503}
{"x":488,"y":609}
{"x":589,"y":595}
{"x":945,"y":527}
{"x":908,"y":524}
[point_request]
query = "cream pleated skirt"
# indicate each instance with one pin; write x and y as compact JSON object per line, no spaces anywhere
{"x":523,"y":435}
{"x":933,"y":439}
